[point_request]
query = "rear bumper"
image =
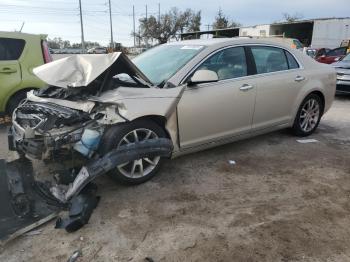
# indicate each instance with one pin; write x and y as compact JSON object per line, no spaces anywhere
{"x":343,"y":86}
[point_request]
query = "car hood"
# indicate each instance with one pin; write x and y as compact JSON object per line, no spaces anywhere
{"x":81,"y":70}
{"x":342,"y":64}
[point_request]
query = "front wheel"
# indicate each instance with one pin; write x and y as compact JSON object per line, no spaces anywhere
{"x":140,"y":170}
{"x":308,"y":116}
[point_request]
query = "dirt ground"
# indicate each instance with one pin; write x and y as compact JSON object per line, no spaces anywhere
{"x":282,"y":201}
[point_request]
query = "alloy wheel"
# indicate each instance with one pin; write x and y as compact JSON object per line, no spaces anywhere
{"x":309,"y":115}
{"x":140,"y":167}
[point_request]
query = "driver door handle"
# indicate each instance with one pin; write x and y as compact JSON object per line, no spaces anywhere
{"x":299,"y":78}
{"x":8,"y":70}
{"x":246,"y":87}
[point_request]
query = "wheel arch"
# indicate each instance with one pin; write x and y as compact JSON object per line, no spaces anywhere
{"x":158,"y":119}
{"x":316,"y":92}
{"x":321,"y":95}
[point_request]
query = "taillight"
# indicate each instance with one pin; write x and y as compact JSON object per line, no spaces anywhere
{"x":46,"y":52}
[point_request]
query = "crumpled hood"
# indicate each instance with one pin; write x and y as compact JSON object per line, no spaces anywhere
{"x":81,"y":70}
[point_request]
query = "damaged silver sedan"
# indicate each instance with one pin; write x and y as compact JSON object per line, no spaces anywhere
{"x":198,"y":94}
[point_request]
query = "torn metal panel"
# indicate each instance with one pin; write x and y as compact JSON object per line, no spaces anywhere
{"x":137,"y":102}
{"x":172,"y":128}
{"x":85,"y":106}
{"x":81,"y":70}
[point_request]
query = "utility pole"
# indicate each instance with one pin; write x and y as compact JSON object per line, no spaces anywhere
{"x":208,"y":30}
{"x":82,"y":29}
{"x":146,"y":13}
{"x":133,"y":19}
{"x":110,"y":21}
{"x":159,"y":13}
{"x":21,"y":27}
{"x":146,"y":38}
{"x":139,"y":37}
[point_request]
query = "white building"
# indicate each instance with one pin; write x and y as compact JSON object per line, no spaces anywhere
{"x":322,"y":32}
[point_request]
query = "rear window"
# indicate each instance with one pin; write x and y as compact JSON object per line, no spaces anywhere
{"x":337,"y":52}
{"x":11,"y":49}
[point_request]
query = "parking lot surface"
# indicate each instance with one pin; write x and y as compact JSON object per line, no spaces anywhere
{"x":281,"y":201}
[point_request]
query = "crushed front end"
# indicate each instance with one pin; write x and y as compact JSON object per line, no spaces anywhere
{"x":41,"y":130}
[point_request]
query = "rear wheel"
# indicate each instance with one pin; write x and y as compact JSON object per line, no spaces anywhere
{"x":308,"y":116}
{"x":140,"y":170}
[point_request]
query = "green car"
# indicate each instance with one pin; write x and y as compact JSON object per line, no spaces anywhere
{"x":19,"y":54}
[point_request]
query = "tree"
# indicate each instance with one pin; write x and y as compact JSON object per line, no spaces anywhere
{"x":222,"y":21}
{"x":170,"y":25}
{"x":195,"y":22}
{"x":292,"y":18}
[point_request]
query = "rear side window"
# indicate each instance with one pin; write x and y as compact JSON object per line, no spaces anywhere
{"x":11,"y":49}
{"x":292,"y":63}
{"x":269,"y":59}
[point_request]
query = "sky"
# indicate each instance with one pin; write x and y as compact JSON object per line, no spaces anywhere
{"x":60,"y":18}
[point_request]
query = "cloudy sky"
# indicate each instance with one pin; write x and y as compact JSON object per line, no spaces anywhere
{"x":60,"y":18}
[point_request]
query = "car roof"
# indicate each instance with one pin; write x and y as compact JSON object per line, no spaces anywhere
{"x":20,"y":35}
{"x":229,"y":41}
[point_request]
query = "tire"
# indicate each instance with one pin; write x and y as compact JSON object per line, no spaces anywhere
{"x":15,"y":100}
{"x":115,"y":136}
{"x":308,"y":116}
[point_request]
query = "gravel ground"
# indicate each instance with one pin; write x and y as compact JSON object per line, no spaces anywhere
{"x":282,"y":201}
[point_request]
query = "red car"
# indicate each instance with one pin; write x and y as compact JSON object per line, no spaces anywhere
{"x":333,"y":55}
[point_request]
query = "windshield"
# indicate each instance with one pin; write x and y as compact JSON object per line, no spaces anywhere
{"x":162,"y":62}
{"x":346,"y":58}
{"x":297,"y":43}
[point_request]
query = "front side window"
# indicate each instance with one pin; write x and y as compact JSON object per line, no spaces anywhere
{"x":269,"y":59}
{"x":228,"y":63}
{"x":11,"y":49}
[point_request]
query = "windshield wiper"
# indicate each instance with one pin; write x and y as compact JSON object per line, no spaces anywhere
{"x":143,"y":82}
{"x":161,"y":84}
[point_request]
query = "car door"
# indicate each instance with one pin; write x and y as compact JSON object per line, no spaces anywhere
{"x":10,"y":70}
{"x":218,"y":110}
{"x":279,"y":79}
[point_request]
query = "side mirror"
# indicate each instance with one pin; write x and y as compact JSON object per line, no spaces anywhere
{"x":204,"y":76}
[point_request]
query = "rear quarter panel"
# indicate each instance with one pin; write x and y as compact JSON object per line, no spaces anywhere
{"x":320,"y":78}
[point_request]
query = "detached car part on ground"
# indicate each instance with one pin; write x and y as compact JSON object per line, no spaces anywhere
{"x":198,"y":94}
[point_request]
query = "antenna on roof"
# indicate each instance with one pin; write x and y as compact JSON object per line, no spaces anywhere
{"x":22,"y":26}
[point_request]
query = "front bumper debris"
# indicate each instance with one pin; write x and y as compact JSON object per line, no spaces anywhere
{"x":22,"y":206}
{"x":26,"y":203}
{"x":126,"y":153}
